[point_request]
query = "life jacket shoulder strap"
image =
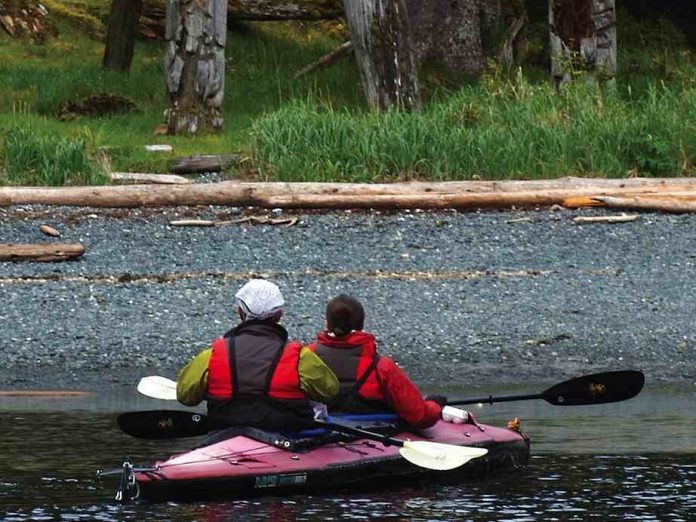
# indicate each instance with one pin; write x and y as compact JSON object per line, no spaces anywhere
{"x":372,"y":368}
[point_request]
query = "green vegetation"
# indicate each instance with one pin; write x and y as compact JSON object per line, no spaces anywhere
{"x":37,"y":159}
{"x":516,"y":130}
{"x":316,"y":127}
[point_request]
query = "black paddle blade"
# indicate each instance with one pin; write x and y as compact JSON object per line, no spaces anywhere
{"x":599,"y":388}
{"x":163,"y":424}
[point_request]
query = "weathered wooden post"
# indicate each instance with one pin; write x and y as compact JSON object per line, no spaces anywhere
{"x":120,"y":38}
{"x":380,"y":32}
{"x":195,"y":65}
{"x":583,"y":37}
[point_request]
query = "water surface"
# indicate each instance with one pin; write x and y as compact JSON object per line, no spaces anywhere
{"x":628,"y":461}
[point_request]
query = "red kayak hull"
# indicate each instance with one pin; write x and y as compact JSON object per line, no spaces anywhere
{"x":242,"y":466}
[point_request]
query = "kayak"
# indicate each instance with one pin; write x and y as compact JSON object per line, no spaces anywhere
{"x":243,"y":461}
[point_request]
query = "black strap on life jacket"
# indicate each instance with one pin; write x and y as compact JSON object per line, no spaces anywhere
{"x":232,"y":355}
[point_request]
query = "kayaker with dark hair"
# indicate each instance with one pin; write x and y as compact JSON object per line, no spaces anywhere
{"x":369,"y":382}
{"x":254,"y":376}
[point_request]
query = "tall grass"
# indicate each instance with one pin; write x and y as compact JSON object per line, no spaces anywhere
{"x":36,"y":159}
{"x":508,"y":129}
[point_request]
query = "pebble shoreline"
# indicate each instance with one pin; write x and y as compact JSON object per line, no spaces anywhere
{"x":456,"y":298}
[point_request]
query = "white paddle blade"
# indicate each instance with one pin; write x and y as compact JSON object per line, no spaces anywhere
{"x":442,"y":457}
{"x":158,"y":387}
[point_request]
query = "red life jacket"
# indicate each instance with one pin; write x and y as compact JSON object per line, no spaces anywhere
{"x":253,"y":379}
{"x":354,"y":361}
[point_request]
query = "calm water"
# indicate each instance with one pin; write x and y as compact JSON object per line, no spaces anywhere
{"x":629,"y":461}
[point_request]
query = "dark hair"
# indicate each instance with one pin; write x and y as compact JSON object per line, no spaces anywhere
{"x":344,"y":314}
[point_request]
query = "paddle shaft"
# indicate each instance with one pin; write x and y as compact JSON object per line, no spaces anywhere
{"x":489,"y":399}
{"x":596,"y":388}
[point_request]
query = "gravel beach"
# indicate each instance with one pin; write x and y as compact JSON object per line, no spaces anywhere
{"x":457,"y":299}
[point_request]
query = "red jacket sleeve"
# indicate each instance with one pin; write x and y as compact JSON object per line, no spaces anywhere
{"x":405,"y":397}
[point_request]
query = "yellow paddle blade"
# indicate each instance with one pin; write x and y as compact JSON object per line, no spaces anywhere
{"x":442,"y":457}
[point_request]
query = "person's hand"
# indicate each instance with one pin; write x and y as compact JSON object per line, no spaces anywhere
{"x":441,"y":400}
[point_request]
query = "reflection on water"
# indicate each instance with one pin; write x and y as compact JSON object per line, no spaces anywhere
{"x":629,"y":461}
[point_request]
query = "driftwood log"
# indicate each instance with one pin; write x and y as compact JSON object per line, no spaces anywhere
{"x":203,"y":163}
{"x":453,"y":194}
{"x":154,"y":13}
{"x":40,"y":252}
{"x":652,"y":203}
{"x":158,"y":179}
{"x":623,"y":218}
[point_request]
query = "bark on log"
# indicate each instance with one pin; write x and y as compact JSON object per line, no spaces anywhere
{"x":677,"y":206}
{"x":431,"y":201}
{"x":40,"y":252}
{"x":120,"y":37}
{"x":381,"y":35}
{"x":158,"y":179}
{"x":592,"y":201}
{"x":465,"y":194}
{"x":583,"y":37}
{"x":195,"y":65}
{"x":153,"y":13}
{"x":269,"y":10}
{"x":203,"y":163}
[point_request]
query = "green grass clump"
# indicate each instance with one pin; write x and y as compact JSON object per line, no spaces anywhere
{"x":512,"y":129}
{"x":38,"y":159}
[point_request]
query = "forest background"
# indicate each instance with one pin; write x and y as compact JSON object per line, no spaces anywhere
{"x":500,"y":123}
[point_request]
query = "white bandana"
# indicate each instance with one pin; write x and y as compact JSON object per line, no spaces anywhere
{"x":259,"y":299}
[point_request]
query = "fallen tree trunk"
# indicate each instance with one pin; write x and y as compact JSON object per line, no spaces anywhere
{"x":262,"y":10}
{"x":593,"y":201}
{"x":460,"y":194}
{"x":40,"y":252}
{"x":203,"y":163}
{"x":328,"y":59}
{"x":663,"y":204}
{"x":471,"y":200}
{"x":159,"y":179}
{"x":269,"y":10}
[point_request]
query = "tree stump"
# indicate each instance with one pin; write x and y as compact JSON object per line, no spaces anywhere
{"x":583,"y":39}
{"x":381,"y":36}
{"x":196,"y":31}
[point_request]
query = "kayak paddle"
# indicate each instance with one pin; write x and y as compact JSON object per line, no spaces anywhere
{"x":431,"y":455}
{"x":597,"y":388}
{"x":158,"y":387}
{"x":163,"y":424}
{"x":170,"y":424}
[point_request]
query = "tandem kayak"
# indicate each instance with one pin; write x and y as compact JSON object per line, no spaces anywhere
{"x":242,"y":461}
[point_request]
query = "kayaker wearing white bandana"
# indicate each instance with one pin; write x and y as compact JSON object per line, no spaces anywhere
{"x":254,"y":376}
